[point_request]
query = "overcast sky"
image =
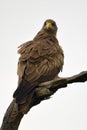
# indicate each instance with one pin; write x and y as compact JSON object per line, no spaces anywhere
{"x":20,"y":20}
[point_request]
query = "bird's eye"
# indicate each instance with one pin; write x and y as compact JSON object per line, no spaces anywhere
{"x":53,"y":24}
{"x":45,"y":24}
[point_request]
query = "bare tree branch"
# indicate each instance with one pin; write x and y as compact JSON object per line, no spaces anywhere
{"x":43,"y":92}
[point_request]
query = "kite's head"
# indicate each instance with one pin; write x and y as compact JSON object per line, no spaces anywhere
{"x":50,"y":26}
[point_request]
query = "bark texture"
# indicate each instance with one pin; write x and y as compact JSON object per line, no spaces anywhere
{"x":44,"y":92}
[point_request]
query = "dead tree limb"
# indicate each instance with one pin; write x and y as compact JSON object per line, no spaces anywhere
{"x":43,"y":92}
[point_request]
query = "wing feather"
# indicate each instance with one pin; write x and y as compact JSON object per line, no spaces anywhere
{"x":37,"y":58}
{"x":40,"y":60}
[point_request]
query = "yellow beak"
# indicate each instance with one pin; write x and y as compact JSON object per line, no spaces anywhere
{"x":48,"y":25}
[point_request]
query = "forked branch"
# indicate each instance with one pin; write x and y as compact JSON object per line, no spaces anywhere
{"x":43,"y":92}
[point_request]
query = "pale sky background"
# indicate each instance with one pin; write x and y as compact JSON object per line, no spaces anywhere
{"x":20,"y":20}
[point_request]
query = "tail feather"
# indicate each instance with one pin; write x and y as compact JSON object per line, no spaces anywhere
{"x":23,"y":90}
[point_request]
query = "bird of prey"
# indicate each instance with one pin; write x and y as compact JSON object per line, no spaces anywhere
{"x":41,"y":59}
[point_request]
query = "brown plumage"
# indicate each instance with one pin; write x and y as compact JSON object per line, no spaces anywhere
{"x":40,"y":60}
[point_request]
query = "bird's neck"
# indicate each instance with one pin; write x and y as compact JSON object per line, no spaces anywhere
{"x":43,"y":35}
